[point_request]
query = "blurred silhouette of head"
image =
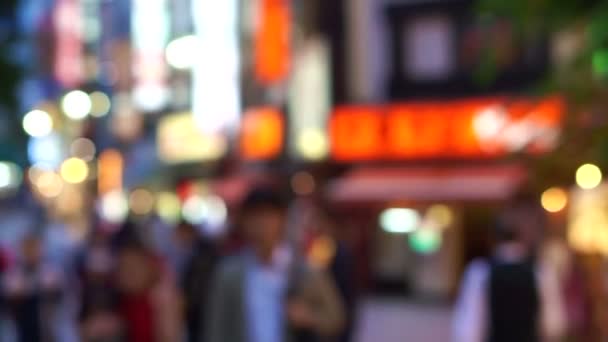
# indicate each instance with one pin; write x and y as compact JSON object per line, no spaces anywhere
{"x":325,"y":219}
{"x":136,"y":269}
{"x":521,"y":221}
{"x":31,"y":249}
{"x":263,"y":219}
{"x":186,"y":233}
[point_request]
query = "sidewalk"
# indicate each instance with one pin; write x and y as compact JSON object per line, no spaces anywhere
{"x":396,"y":320}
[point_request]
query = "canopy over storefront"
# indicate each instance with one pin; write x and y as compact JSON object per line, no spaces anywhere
{"x":467,"y":183}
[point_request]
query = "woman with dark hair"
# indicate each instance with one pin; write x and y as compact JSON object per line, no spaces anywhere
{"x":148,"y":300}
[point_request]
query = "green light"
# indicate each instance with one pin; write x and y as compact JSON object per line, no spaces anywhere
{"x":600,"y":62}
{"x":425,"y":241}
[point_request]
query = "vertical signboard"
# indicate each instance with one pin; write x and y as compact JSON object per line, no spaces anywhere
{"x":150,"y":34}
{"x":216,"y":104}
{"x":67,"y":19}
{"x":309,"y":101}
{"x":272,"y":41}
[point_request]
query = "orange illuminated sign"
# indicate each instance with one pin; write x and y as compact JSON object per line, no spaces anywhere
{"x":262,"y":134}
{"x":272,"y":41}
{"x":110,"y":166}
{"x":453,"y":129}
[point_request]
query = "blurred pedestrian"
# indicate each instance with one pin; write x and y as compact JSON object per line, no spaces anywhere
{"x":197,"y":259}
{"x":33,"y":289}
{"x":511,"y":297}
{"x":99,"y":317}
{"x":326,"y":252}
{"x":267,"y":294}
{"x":148,"y":300}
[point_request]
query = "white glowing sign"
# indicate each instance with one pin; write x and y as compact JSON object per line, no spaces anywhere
{"x":309,"y":100}
{"x":150,"y":34}
{"x":215,"y":76}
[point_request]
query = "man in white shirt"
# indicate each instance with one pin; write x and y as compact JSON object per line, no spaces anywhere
{"x":510,"y":297}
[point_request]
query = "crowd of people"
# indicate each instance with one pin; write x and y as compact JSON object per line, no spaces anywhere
{"x":270,"y":279}
{"x":255,"y":285}
{"x":531,"y":287}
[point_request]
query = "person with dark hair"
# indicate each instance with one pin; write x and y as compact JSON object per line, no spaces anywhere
{"x":33,"y":290}
{"x":148,"y":300}
{"x":266,"y":293}
{"x":511,"y":296}
{"x":198,"y":257}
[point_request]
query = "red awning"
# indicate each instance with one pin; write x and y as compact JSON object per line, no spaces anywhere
{"x":427,"y":184}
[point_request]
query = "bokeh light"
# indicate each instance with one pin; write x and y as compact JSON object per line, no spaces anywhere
{"x":194,"y":210}
{"x":554,"y":200}
{"x":425,"y":241}
{"x":209,"y":210}
{"x":399,"y":220}
{"x":37,"y":123}
{"x":37,"y":170}
{"x":489,"y":122}
{"x":83,"y":148}
{"x":600,"y":62}
{"x":114,"y":207}
{"x":588,"y":176}
{"x":10,"y":176}
{"x":74,"y":170}
{"x":48,"y":183}
{"x":76,"y":105}
{"x":313,"y":144}
{"x":100,"y":104}
{"x":5,"y":174}
{"x":217,"y":212}
{"x":45,"y":150}
{"x":141,"y":202}
{"x":181,"y":53}
{"x":441,"y":215}
{"x":168,"y":207}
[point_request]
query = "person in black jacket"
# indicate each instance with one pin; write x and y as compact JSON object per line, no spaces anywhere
{"x":199,"y":257}
{"x":511,"y":296}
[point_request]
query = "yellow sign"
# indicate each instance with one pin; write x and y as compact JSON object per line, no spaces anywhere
{"x":180,"y":140}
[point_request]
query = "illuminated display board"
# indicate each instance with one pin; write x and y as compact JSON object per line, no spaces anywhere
{"x":180,"y":140}
{"x":272,"y":53}
{"x":216,"y":93}
{"x":463,"y":129}
{"x":67,"y":19}
{"x":150,"y":34}
{"x":458,"y":129}
{"x":310,"y":101}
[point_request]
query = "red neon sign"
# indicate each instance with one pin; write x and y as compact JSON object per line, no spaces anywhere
{"x":459,"y":129}
{"x":272,"y":41}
